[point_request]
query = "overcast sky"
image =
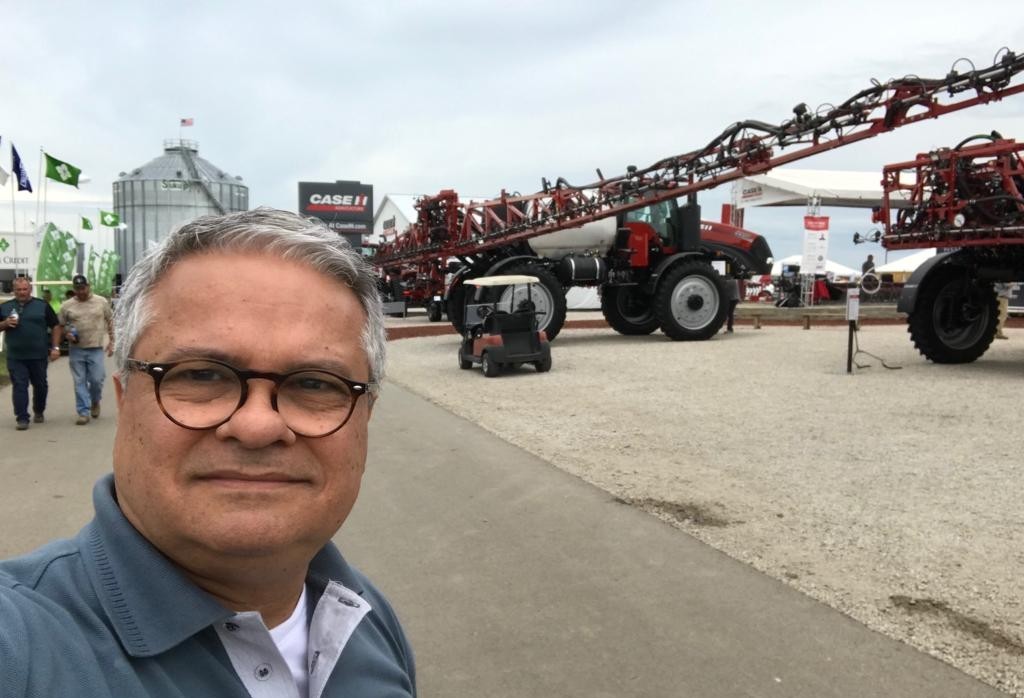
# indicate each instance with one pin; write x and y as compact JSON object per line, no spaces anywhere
{"x":414,"y":97}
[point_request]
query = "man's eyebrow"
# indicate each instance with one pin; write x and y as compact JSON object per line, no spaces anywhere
{"x":183,"y":353}
{"x":331,"y":365}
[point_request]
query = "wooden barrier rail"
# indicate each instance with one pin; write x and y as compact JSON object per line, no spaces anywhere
{"x":823,"y":314}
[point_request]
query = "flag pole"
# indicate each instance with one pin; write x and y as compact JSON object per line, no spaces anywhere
{"x":14,"y":223}
{"x":38,"y":192}
{"x":14,"y":217}
{"x":44,"y":196}
{"x":12,"y":180}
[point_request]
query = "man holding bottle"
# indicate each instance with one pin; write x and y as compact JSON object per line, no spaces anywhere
{"x":31,"y":336}
{"x":85,"y":319}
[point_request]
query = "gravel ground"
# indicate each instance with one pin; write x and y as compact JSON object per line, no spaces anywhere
{"x":891,"y":495}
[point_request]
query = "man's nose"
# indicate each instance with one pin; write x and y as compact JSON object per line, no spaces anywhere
{"x":256,"y":424}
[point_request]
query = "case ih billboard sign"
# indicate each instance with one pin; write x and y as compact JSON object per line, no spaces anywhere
{"x":345,"y":206}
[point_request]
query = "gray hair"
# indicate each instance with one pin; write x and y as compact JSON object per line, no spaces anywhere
{"x":268,"y":231}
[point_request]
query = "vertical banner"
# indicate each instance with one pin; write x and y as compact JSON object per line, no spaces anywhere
{"x":57,"y":255}
{"x":104,"y":284}
{"x":815,"y":245}
{"x":92,"y":267}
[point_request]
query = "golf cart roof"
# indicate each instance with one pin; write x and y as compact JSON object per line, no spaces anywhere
{"x":504,"y":280}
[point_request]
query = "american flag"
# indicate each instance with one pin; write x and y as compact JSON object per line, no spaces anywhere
{"x":187,"y":122}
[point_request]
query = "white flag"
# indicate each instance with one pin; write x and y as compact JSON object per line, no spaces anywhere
{"x":3,"y":177}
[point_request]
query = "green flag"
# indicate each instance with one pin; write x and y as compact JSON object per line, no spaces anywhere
{"x":111,"y":220}
{"x":86,"y":223}
{"x":62,"y":171}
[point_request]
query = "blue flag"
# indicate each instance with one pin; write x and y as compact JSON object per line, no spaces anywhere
{"x":19,"y":171}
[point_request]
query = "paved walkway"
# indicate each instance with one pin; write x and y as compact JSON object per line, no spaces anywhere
{"x":516,"y":579}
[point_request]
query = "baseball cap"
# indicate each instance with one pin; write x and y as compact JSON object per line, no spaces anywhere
{"x":79,"y":280}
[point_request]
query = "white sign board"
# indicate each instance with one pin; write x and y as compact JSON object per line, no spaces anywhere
{"x":852,"y":304}
{"x":815,"y":245}
{"x":18,"y":253}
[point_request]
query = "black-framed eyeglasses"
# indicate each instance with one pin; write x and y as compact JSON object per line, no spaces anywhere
{"x":205,"y":393}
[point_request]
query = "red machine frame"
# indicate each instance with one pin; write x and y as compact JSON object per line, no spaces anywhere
{"x":951,"y":195}
{"x":446,"y":227}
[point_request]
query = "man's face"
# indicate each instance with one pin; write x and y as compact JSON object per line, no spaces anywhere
{"x":82,"y":293}
{"x":195,"y":494}
{"x":22,"y":290}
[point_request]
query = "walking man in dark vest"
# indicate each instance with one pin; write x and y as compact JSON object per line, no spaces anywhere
{"x":30,"y":333}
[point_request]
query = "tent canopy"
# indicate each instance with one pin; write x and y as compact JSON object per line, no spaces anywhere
{"x":906,"y":264}
{"x":834,"y":268}
{"x":784,"y":187}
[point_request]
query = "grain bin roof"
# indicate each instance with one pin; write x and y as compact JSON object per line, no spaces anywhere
{"x":173,"y":165}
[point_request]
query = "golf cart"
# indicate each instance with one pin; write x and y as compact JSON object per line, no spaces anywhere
{"x":503,"y":333}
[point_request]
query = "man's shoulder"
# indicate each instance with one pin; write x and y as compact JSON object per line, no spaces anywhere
{"x":46,"y":645}
{"x":53,"y":560}
{"x":34,"y":589}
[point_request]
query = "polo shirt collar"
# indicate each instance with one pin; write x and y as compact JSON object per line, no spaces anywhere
{"x":151,"y":604}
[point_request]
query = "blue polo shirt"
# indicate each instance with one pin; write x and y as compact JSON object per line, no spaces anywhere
{"x":106,"y":615}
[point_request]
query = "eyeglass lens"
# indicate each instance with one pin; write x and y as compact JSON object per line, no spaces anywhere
{"x":202,"y":394}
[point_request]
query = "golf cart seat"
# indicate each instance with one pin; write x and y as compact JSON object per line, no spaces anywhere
{"x":518,"y":332}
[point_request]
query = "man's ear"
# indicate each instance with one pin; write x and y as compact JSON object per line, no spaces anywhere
{"x":118,"y":390}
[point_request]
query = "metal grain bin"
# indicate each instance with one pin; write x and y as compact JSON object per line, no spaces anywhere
{"x":176,"y":187}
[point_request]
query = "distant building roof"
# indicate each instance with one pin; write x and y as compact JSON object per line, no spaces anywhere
{"x":403,"y":202}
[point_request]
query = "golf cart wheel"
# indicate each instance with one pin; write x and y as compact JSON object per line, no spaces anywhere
{"x":464,"y":363}
{"x":628,"y":310}
{"x":544,"y":365}
{"x":954,"y":320}
{"x":689,"y":302}
{"x":489,"y":365}
{"x":434,"y":311}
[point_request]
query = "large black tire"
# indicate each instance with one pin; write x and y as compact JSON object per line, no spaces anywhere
{"x":548,"y":299}
{"x":954,"y":319}
{"x":690,"y":302}
{"x":628,"y":310}
{"x":457,"y":307}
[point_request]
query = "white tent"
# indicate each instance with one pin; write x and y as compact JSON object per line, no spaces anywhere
{"x":834,"y":268}
{"x":906,"y":264}
{"x":785,"y":187}
{"x":582,"y":298}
